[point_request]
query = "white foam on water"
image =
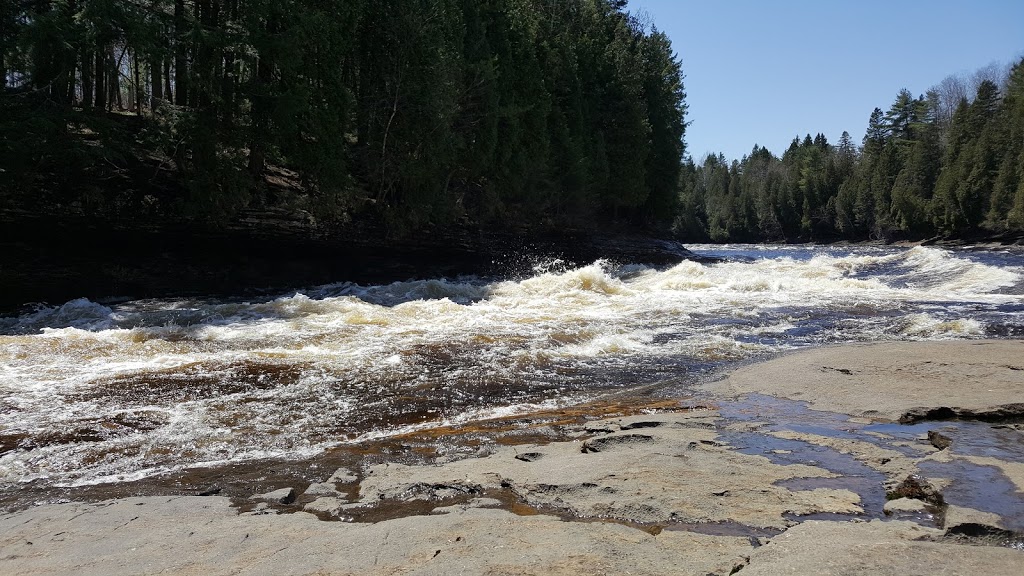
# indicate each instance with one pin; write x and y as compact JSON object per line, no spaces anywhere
{"x":285,"y":376}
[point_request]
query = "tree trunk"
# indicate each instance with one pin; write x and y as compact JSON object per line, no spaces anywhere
{"x":168,"y":94}
{"x":228,"y":78}
{"x":59,"y":84}
{"x":137,"y":79}
{"x":259,"y":112}
{"x":156,"y":82}
{"x":87,"y":86}
{"x":72,"y":81}
{"x":114,"y":83}
{"x":101,"y":77}
{"x":180,"y":56}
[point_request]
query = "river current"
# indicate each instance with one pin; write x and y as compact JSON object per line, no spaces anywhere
{"x":96,"y":392}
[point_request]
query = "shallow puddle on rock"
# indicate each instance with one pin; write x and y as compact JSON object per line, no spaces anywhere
{"x":980,"y":487}
{"x":968,"y":438}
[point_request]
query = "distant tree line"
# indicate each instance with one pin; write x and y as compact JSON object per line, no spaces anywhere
{"x":949,"y":162}
{"x":558,"y":112}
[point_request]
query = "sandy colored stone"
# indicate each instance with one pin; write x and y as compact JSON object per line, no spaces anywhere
{"x":204,"y":536}
{"x":886,"y":380}
{"x":325,"y":505}
{"x":877,"y":547}
{"x":956,"y":516}
{"x":282,"y":496}
{"x":658,"y":468}
{"x":904,"y":505}
{"x":321,"y":489}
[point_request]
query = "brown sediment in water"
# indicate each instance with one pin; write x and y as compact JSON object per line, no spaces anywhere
{"x":509,"y":430}
{"x":240,"y":480}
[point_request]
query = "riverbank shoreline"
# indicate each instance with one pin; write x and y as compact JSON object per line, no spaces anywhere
{"x":53,"y":261}
{"x":649,"y":486}
{"x":271,"y":252}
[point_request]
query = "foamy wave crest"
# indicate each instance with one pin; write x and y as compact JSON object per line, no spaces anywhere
{"x":462,"y":291}
{"x":928,"y":326}
{"x":114,"y":392}
{"x":943,"y":271}
{"x":82,"y":314}
{"x":595,"y":279}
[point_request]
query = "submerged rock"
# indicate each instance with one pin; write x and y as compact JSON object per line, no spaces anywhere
{"x":939,"y":440}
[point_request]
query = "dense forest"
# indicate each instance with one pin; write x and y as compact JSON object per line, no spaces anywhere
{"x":518,"y":114}
{"x":947,"y":163}
{"x":406,"y":112}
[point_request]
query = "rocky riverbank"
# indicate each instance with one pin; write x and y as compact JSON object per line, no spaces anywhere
{"x":738,"y":478}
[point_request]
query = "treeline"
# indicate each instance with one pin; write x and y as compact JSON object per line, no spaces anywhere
{"x":946,"y":163}
{"x":558,"y":112}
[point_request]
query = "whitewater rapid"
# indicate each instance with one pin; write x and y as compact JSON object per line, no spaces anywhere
{"x":93,"y":392}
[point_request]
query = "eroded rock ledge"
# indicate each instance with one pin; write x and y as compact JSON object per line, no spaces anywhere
{"x":643,"y":494}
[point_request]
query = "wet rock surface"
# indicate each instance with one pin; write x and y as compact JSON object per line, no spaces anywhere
{"x":642,"y":485}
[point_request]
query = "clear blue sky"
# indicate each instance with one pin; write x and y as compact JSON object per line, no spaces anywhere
{"x":765,"y":71}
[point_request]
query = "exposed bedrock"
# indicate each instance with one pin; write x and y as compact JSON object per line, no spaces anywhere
{"x":897,"y":381}
{"x":675,"y":472}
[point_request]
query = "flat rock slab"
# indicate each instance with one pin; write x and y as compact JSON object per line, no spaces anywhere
{"x":877,"y":547}
{"x":660,"y":468}
{"x":205,"y":536}
{"x":895,"y":380}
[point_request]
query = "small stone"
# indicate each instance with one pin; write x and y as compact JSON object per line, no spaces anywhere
{"x":940,"y":441}
{"x":966,"y":520}
{"x":529,"y":456}
{"x":210,"y":490}
{"x":282,"y":496}
{"x":903,"y":505}
{"x":322,"y":489}
{"x":325,"y":505}
{"x":917,"y":488}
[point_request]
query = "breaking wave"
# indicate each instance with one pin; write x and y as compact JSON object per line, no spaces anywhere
{"x":95,"y":392}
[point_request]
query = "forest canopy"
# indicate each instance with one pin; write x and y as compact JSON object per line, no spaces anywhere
{"x":948,"y":163}
{"x":525,"y":114}
{"x":412,"y":112}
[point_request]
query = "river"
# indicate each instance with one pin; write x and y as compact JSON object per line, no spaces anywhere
{"x":113,"y":391}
